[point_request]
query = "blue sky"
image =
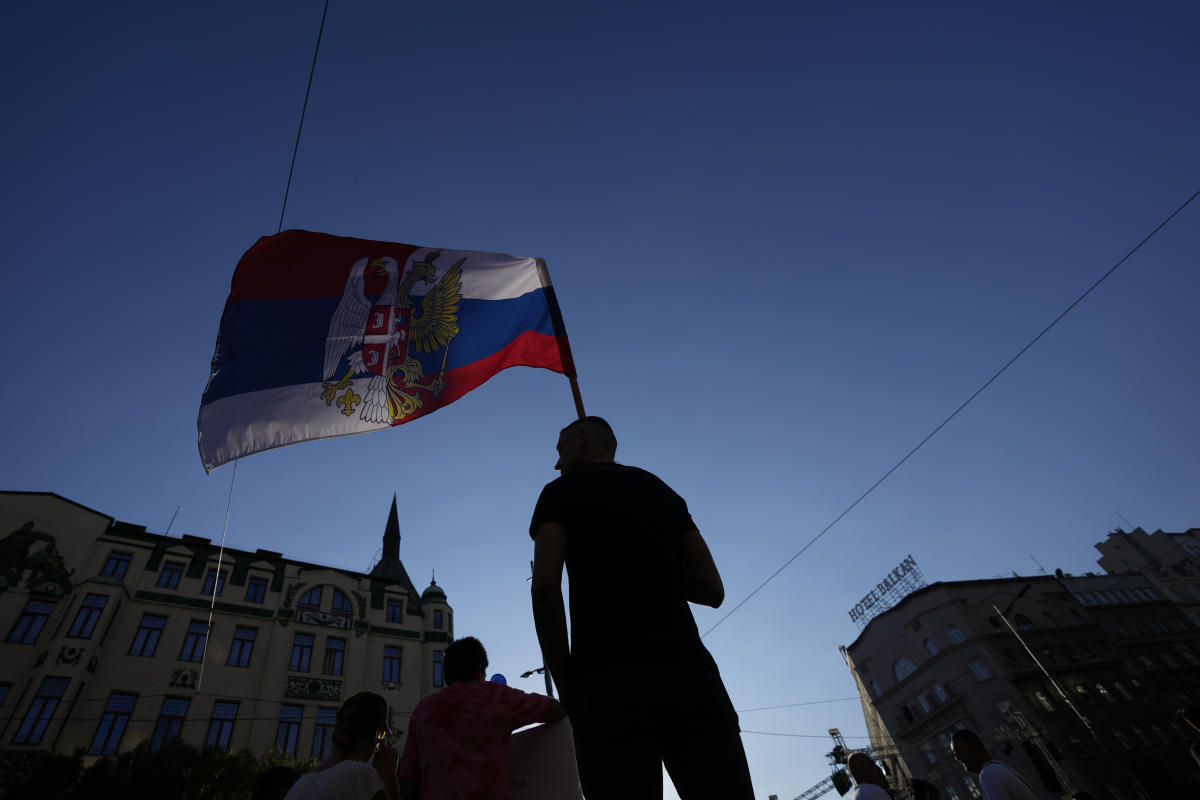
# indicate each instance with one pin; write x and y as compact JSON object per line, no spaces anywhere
{"x":787,"y":241}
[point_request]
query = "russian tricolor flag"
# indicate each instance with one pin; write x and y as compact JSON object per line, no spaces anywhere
{"x":328,"y":336}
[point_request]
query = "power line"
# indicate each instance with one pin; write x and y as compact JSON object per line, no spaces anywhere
{"x":946,"y":421}
{"x":303,"y":109}
{"x":796,"y":705}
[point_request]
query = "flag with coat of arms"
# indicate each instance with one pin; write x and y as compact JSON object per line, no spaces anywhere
{"x":328,"y":335}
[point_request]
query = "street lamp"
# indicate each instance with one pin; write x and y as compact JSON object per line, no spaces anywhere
{"x":544,"y":671}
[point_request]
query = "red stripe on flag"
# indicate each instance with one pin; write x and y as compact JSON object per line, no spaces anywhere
{"x":302,"y":264}
{"x":530,"y":349}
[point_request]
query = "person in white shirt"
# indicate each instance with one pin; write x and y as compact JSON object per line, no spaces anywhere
{"x":997,"y":780}
{"x":868,"y":778}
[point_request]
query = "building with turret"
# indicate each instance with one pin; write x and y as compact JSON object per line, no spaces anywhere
{"x":114,"y":635}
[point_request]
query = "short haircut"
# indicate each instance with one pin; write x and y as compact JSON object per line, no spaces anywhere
{"x":600,"y":427}
{"x":463,"y":660}
{"x":967,"y":737}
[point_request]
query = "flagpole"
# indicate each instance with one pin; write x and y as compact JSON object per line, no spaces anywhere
{"x":575,"y":394}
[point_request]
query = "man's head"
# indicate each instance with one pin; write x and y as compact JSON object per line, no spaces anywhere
{"x":585,"y":441}
{"x":465,"y":661}
{"x":361,"y":723}
{"x":969,"y":750}
{"x":864,"y":769}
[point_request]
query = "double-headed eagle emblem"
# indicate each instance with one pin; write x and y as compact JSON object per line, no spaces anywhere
{"x":385,"y":331}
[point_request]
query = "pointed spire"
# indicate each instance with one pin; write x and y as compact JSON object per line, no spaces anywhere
{"x":391,"y":535}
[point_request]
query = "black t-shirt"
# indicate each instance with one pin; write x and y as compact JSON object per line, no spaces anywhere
{"x":625,"y":565}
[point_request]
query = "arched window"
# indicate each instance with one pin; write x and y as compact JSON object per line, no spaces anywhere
{"x":903,"y":668}
{"x":955,"y":634}
{"x":931,"y":647}
{"x":311,"y":599}
{"x":340,"y":604}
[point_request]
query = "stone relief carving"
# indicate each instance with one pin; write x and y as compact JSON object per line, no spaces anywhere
{"x":26,"y":550}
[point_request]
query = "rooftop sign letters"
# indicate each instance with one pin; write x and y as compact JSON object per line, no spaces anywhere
{"x":905,"y":578}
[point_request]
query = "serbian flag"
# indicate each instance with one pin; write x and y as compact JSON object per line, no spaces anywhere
{"x":327,"y":336}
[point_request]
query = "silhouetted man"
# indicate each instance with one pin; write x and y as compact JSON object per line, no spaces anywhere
{"x":997,"y":780}
{"x":640,"y":688}
{"x":457,"y":745}
{"x":868,"y":778}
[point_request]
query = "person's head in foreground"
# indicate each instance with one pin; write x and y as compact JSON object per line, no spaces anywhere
{"x":584,"y":441}
{"x":465,"y":661}
{"x":864,"y":769}
{"x":361,"y":726}
{"x":968,"y":749}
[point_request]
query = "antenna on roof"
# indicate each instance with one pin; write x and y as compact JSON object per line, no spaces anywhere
{"x":1127,"y":522}
{"x":1041,"y":569}
{"x":172,"y":522}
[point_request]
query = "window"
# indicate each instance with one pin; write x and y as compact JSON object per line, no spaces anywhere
{"x":979,"y":670}
{"x":391,"y":664}
{"x":242,"y":647}
{"x":221,"y":726}
{"x":923,"y":702}
{"x":1103,"y":691}
{"x":311,"y":599}
{"x":1024,"y":623}
{"x":1141,"y":734}
{"x":30,"y":623}
{"x":395,"y":611}
{"x":1078,"y":744}
{"x":1043,"y":700}
{"x":212,"y":577}
{"x":876,"y":689}
{"x":193,"y":643}
{"x":931,"y":757}
{"x":931,"y":647}
{"x":289,"y":728}
{"x":112,"y":724}
{"x":1120,"y":687}
{"x":1123,"y":739}
{"x":256,"y":590}
{"x":951,"y":794}
{"x":335,"y":654}
{"x":116,"y":565}
{"x":903,"y":668}
{"x":172,"y":571}
{"x":340,"y":604}
{"x":1082,"y":692}
{"x":87,"y":616}
{"x":4,"y":691}
{"x":45,"y":702}
{"x":955,"y":634}
{"x":170,"y":720}
{"x":437,"y":618}
{"x":1159,"y":732}
{"x":323,"y":732}
{"x":302,"y":647}
{"x":940,"y":693}
{"x":145,"y":641}
{"x":437,"y":667}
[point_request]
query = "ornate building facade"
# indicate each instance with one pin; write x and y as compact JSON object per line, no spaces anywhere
{"x":108,"y":642}
{"x":944,"y":658}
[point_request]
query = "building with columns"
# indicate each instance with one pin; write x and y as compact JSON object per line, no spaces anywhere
{"x":108,"y":641}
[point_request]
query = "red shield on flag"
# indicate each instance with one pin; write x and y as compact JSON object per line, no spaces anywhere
{"x":385,"y":340}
